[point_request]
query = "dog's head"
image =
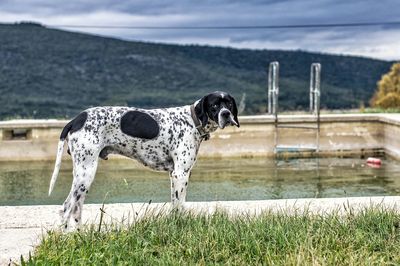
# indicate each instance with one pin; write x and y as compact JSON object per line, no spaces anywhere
{"x":219,"y":107}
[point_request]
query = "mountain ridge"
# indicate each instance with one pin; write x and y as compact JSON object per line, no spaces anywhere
{"x":48,"y":72}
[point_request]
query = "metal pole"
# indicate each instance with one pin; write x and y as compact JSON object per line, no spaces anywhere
{"x":312,"y":89}
{"x":315,"y":85}
{"x":315,"y":94}
{"x":317,"y":102}
{"x":273,"y":87}
{"x":276,"y":86}
{"x":273,"y":92}
{"x":270,"y":89}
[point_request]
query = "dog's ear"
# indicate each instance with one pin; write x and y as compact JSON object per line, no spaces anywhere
{"x":235,"y":112}
{"x":201,"y":111}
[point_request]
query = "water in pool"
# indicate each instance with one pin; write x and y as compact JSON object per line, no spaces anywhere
{"x":27,"y":183}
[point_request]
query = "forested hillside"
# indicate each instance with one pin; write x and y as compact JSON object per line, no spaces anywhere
{"x":53,"y":73}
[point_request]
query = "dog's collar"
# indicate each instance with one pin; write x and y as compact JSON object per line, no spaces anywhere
{"x":203,"y":134}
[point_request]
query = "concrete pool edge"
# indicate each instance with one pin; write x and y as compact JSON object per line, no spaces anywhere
{"x":340,"y":134}
{"x":23,"y":226}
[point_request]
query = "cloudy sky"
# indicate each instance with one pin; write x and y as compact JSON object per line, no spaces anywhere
{"x":381,"y":42}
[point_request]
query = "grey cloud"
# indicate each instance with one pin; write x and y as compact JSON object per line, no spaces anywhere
{"x":231,"y":11}
{"x":223,"y":13}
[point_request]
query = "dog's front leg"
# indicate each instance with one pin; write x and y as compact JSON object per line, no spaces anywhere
{"x":179,"y":183}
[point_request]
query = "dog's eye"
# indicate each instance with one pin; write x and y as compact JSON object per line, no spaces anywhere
{"x":215,"y":106}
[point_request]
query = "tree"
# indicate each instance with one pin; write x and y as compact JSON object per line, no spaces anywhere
{"x":388,"y":93}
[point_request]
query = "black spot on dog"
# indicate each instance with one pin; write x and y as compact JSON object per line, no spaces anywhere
{"x":139,"y":125}
{"x":74,"y":125}
{"x":176,"y":194}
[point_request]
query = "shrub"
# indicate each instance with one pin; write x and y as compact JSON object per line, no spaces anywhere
{"x":388,"y":93}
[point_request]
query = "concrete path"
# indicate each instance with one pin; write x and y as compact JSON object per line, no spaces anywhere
{"x":22,"y":227}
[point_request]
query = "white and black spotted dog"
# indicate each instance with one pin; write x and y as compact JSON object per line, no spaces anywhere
{"x":165,"y":139}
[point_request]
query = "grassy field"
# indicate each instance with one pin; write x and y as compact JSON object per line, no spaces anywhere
{"x":371,"y":237}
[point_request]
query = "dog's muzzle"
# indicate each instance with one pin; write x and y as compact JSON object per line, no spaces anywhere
{"x":225,"y":117}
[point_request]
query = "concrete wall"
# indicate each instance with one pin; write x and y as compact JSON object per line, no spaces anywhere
{"x":391,"y":132}
{"x":339,"y":135}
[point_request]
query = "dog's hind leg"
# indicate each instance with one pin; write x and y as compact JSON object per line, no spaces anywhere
{"x":84,"y":169}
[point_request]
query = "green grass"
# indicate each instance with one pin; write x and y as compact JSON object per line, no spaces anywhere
{"x":381,"y":110}
{"x":371,"y":237}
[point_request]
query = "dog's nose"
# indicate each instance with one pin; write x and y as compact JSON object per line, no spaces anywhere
{"x":225,"y":114}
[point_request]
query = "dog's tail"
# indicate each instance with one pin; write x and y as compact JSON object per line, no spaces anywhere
{"x":60,"y":150}
{"x":73,"y":125}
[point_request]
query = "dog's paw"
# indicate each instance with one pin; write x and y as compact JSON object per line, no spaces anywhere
{"x":179,"y":206}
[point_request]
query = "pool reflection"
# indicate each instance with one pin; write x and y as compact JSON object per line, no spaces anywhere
{"x":26,"y":183}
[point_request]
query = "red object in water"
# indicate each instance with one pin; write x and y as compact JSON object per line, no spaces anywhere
{"x":376,"y":162}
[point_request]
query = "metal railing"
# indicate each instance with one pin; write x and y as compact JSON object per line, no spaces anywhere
{"x":315,"y":87}
{"x":315,"y":95}
{"x":273,"y":87}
